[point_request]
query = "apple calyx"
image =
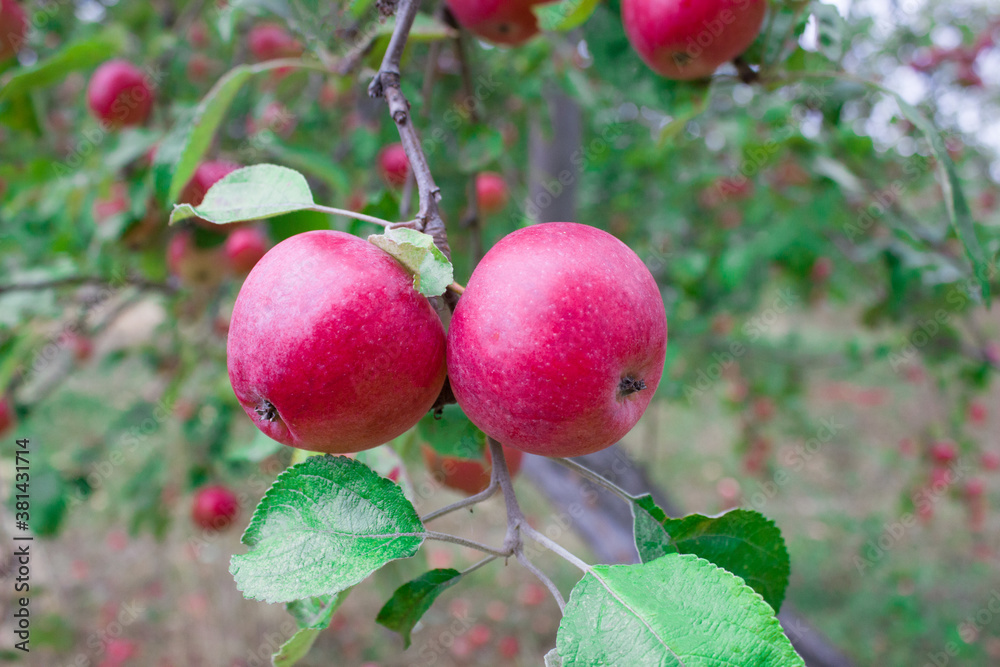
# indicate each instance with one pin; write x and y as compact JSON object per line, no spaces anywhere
{"x":266,"y":411}
{"x":630,"y":385}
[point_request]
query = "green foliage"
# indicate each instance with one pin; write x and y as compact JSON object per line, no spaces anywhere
{"x":432,"y":272}
{"x":452,"y":434}
{"x":331,"y":520}
{"x":412,"y":600}
{"x":670,"y":611}
{"x":741,"y":541}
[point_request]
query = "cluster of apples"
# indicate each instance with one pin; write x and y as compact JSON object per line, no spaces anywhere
{"x":555,"y":348}
{"x":678,"y":39}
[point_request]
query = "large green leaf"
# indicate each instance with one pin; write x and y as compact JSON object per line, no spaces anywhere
{"x":742,"y":541}
{"x":674,"y":611}
{"x":76,"y":56}
{"x":323,"y":526}
{"x":432,"y":272}
{"x":251,"y":193}
{"x":452,"y":434}
{"x":412,"y":600}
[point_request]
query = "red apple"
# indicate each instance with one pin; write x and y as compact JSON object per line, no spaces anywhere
{"x":975,"y":487}
{"x":978,"y":414}
{"x":194,"y":266}
{"x":557,"y":345}
{"x":119,"y":95}
{"x":480,"y":635}
{"x":510,"y":647}
{"x":331,"y":349}
{"x":116,"y":202}
{"x":821,"y":270}
{"x":763,"y":409}
{"x":199,"y":66}
{"x":117,"y":653}
{"x":470,"y":476}
{"x":198,"y":35}
{"x":989,"y":460}
{"x":13,"y":28}
{"x":244,"y":248}
{"x":7,"y":416}
{"x":393,"y":164}
{"x":681,"y":39}
{"x":491,"y":192}
{"x":205,"y":176}
{"x":214,"y":507}
{"x":509,"y":22}
{"x":81,"y":346}
{"x":275,"y":117}
{"x":270,"y":41}
{"x":944,"y":452}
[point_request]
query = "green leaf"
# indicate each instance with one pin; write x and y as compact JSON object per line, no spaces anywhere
{"x":552,"y":659}
{"x":432,"y":272}
{"x":313,"y":616}
{"x":676,"y":610}
{"x":954,"y":196}
{"x":565,"y":15}
{"x":412,"y":600}
{"x":251,"y":193}
{"x":76,"y":56}
{"x":480,"y":146}
{"x":452,"y":434}
{"x":745,"y":542}
{"x":323,"y":526}
{"x":831,"y":29}
{"x":259,"y":449}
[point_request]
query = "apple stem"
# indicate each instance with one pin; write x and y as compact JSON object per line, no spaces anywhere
{"x":475,"y":566}
{"x":592,"y":476}
{"x":352,"y":214}
{"x":554,"y":547}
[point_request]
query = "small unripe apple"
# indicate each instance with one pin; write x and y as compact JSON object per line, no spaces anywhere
{"x":510,"y":22}
{"x":13,"y":28}
{"x":244,"y":248}
{"x":215,"y":507}
{"x":557,"y":345}
{"x":119,"y":95}
{"x":681,"y":39}
{"x":470,"y":476}
{"x":331,"y":349}
{"x":393,"y":164}
{"x":491,"y":192}
{"x":7,"y":417}
{"x":270,"y":41}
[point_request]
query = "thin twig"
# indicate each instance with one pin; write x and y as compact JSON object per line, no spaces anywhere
{"x":455,"y":539}
{"x":549,"y":584}
{"x":457,"y":288}
{"x":486,"y":494}
{"x":589,"y":474}
{"x":476,"y":566}
{"x":512,"y":542}
{"x":536,"y":536}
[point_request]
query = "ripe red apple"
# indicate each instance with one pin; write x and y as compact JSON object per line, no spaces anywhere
{"x":13,"y":28}
{"x":117,"y":653}
{"x":116,"y":202}
{"x":944,"y":452}
{"x":199,"y":67}
{"x":510,"y":22}
{"x":393,"y":164}
{"x":7,"y":416}
{"x":244,"y":248}
{"x":331,"y":349}
{"x":205,"y":176}
{"x":214,"y":507}
{"x":470,"y":476}
{"x":989,"y":460}
{"x":198,"y":35}
{"x":81,"y":346}
{"x":680,"y":39}
{"x":510,"y":647}
{"x":270,"y":41}
{"x":491,"y":192}
{"x":194,"y":266}
{"x":557,"y":345}
{"x":119,"y":95}
{"x":978,"y":413}
{"x":821,"y":270}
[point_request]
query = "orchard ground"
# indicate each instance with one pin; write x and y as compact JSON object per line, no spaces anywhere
{"x":884,"y":585}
